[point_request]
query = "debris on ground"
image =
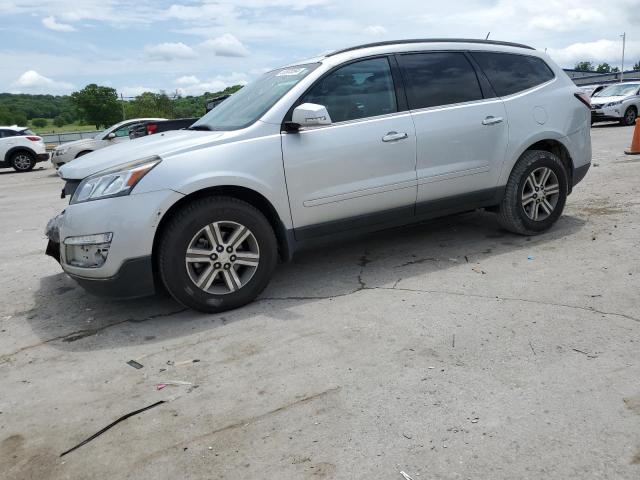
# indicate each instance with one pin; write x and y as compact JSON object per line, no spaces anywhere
{"x":478,"y":270}
{"x":112,"y":424}
{"x":186,"y":362}
{"x":135,"y":364}
{"x":531,"y":257}
{"x":405,"y":475}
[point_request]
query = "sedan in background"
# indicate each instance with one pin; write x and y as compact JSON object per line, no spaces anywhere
{"x":115,"y":134}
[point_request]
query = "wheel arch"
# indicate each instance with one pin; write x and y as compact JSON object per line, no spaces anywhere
{"x":550,"y":144}
{"x":252,"y":197}
{"x":19,"y":148}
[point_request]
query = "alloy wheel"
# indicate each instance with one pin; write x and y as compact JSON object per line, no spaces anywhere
{"x":22,"y":161}
{"x":222,"y":257}
{"x":540,"y":193}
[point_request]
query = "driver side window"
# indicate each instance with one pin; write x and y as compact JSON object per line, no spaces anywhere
{"x":358,"y":90}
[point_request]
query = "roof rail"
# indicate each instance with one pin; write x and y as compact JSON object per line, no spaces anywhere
{"x":430,"y":40}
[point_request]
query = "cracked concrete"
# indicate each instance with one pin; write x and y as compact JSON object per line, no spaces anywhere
{"x":391,"y":353}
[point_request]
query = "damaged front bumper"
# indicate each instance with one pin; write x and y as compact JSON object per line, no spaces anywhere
{"x":106,"y":245}
{"x":52,"y":232}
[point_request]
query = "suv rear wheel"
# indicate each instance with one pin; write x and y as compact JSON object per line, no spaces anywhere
{"x":216,"y":254}
{"x":535,"y":194}
{"x":23,"y":161}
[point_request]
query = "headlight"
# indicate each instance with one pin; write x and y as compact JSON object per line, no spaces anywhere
{"x":613,"y":104}
{"x":114,"y":182}
{"x":62,"y":151}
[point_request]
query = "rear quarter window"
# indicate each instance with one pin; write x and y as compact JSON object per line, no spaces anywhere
{"x":512,"y":73}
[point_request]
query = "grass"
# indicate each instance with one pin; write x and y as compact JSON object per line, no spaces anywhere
{"x":72,"y":127}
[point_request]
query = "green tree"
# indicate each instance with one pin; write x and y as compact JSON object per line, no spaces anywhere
{"x":637,"y":66}
{"x":603,"y":68}
{"x":58,"y":121}
{"x":20,"y":119}
{"x":39,"y":122}
{"x":98,"y":105}
{"x":584,"y":67}
{"x":149,"y":104}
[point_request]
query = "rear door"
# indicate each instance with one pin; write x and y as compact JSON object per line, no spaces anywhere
{"x":461,"y":131}
{"x":360,"y":170}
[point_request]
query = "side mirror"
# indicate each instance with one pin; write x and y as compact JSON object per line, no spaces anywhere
{"x":111,"y":136}
{"x":311,"y":115}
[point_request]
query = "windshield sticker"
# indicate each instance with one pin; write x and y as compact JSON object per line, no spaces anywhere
{"x":290,"y":72}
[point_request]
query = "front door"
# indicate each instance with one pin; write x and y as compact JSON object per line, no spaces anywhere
{"x":360,"y":170}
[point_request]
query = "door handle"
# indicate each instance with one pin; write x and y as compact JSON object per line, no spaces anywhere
{"x":491,"y":120}
{"x":394,"y":137}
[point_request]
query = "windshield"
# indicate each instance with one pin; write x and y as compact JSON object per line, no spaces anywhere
{"x":620,"y":90}
{"x":253,"y":100}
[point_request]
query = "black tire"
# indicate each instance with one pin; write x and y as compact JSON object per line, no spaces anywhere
{"x":23,"y":161}
{"x":178,"y":234}
{"x":629,"y":118}
{"x":512,"y":215}
{"x":84,"y":152}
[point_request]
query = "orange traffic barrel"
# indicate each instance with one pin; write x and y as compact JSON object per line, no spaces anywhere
{"x":634,"y":149}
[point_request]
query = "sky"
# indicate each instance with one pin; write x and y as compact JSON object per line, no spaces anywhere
{"x":59,"y":46}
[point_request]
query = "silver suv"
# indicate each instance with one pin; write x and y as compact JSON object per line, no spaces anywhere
{"x":360,"y":139}
{"x":619,"y":102}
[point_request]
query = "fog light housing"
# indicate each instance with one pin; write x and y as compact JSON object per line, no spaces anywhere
{"x":87,"y":251}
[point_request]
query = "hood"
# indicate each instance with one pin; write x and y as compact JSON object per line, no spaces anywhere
{"x":83,"y":141}
{"x":164,"y":145}
{"x":602,"y":100}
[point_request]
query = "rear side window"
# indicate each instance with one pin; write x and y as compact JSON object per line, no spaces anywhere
{"x":510,"y":73}
{"x":439,"y":78}
{"x":357,"y":90}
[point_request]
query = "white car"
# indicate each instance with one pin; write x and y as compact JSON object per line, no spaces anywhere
{"x":357,"y":140}
{"x":21,"y":149}
{"x":619,"y":102}
{"x":115,"y":134}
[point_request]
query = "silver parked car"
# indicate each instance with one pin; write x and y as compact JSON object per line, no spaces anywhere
{"x":360,"y":139}
{"x":619,"y":102}
{"x":115,"y":134}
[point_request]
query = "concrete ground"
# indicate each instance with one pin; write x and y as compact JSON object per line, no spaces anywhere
{"x":447,"y":350}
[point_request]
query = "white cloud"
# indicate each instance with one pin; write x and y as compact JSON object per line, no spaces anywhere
{"x":169,"y":51}
{"x":375,"y":30}
{"x":214,"y":84}
{"x":226,"y":45}
{"x":572,"y":19}
{"x":599,"y":51}
{"x":52,"y":24}
{"x":187,"y":80}
{"x":32,"y":82}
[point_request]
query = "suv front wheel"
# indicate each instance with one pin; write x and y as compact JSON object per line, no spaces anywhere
{"x":535,"y":194}
{"x":216,"y":254}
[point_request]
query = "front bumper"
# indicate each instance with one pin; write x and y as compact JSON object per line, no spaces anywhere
{"x":133,"y":219}
{"x":607,"y":114}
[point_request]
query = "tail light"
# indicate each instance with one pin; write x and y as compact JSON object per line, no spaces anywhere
{"x":34,"y":139}
{"x":151,"y":128}
{"x":584,"y":98}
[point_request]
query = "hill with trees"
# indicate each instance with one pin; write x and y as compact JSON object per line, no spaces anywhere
{"x":100,"y":106}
